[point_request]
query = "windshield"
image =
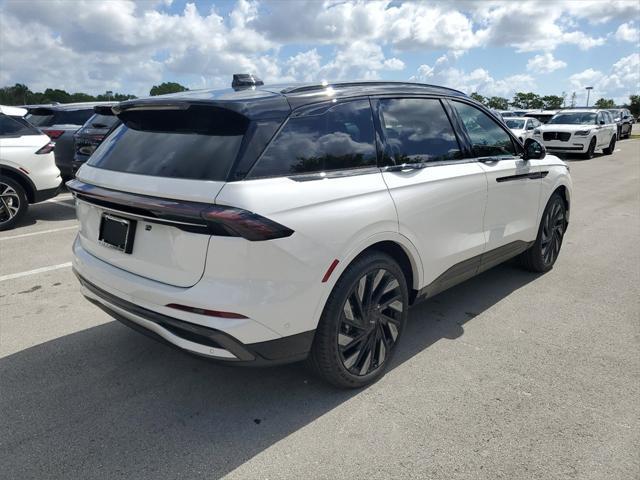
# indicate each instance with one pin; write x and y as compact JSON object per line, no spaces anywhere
{"x":515,"y":124}
{"x":578,"y":118}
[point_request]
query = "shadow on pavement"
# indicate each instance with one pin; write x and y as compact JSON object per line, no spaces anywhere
{"x":109,"y":403}
{"x":58,"y":211}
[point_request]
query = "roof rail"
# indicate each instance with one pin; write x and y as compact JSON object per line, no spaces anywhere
{"x":320,"y":86}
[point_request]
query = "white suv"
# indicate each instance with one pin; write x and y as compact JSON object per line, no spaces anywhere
{"x":581,"y":131}
{"x":270,"y":225}
{"x":28,"y":172}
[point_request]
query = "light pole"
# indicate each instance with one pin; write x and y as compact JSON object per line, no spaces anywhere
{"x":588,"y":92}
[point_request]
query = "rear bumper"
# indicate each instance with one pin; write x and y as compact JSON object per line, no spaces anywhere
{"x":198,"y":339}
{"x":42,"y":195}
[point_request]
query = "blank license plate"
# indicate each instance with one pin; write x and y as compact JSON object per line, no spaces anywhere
{"x":117,"y":232}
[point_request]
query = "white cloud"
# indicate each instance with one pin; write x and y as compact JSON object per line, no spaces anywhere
{"x":95,"y":45}
{"x":444,"y":72}
{"x":359,"y":60}
{"x":622,"y":79}
{"x":627,"y":32}
{"x":529,"y":26}
{"x":544,"y":63}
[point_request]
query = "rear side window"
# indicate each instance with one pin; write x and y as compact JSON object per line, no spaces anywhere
{"x":488,"y":139}
{"x":15,"y":127}
{"x":336,"y":138}
{"x":200,"y":143}
{"x":417,"y":130}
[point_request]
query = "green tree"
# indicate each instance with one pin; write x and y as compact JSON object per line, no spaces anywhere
{"x":478,"y":98}
{"x":499,"y":103}
{"x":634,"y":105}
{"x":527,"y":100}
{"x":167,"y":87}
{"x":605,"y":103}
{"x":552,"y":102}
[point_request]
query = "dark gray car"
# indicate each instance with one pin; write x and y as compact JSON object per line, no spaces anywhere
{"x":87,"y":139}
{"x":60,"y":122}
{"x":623,"y":119}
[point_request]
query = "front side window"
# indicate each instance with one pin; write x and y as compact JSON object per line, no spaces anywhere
{"x":338,"y":138}
{"x":417,"y":130}
{"x":488,"y":139}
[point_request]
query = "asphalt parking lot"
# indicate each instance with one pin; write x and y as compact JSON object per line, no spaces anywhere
{"x":510,"y":375}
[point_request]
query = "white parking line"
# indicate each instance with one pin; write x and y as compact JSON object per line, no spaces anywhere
{"x":12,"y":276}
{"x":41,"y":232}
{"x":60,"y":201}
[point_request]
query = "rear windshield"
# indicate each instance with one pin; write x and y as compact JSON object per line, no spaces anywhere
{"x":47,"y":118}
{"x":200,"y":143}
{"x":101,"y":121}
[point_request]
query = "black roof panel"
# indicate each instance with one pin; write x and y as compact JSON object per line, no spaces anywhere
{"x":277,"y":100}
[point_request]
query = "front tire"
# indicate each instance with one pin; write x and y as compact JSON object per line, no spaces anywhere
{"x":612,"y":145}
{"x":542,"y":255}
{"x":13,"y":203}
{"x":362,"y":322}
{"x":591,"y":150}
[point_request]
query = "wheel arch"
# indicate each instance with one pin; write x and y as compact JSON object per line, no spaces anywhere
{"x":21,"y":178}
{"x":400,"y":248}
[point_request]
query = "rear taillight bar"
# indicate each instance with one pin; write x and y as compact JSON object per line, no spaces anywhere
{"x":48,"y":148}
{"x":191,"y":216}
{"x":53,"y":134}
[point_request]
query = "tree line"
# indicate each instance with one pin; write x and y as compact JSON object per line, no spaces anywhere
{"x":20,"y":94}
{"x":530,"y":100}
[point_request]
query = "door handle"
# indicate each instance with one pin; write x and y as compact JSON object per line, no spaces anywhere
{"x":406,"y":166}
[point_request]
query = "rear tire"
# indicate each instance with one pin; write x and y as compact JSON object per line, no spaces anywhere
{"x":612,"y":146}
{"x":362,"y":322}
{"x":13,"y":203}
{"x":591,"y":150}
{"x":542,"y":255}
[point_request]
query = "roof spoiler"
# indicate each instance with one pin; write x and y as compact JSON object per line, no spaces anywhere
{"x":106,"y":110}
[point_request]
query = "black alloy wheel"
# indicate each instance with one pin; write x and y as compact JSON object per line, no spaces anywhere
{"x":13,"y":203}
{"x":553,"y":228}
{"x":542,"y":255}
{"x":370,"y":322}
{"x":362,"y":322}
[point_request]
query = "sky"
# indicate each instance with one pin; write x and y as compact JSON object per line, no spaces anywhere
{"x":489,"y":47}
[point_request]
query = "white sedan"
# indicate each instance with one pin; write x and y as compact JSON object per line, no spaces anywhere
{"x":524,"y":127}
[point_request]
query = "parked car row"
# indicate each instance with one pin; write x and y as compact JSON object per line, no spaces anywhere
{"x":579,"y":130}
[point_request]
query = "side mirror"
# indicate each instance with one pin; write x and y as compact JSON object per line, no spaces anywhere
{"x":533,"y":150}
{"x":601,"y":122}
